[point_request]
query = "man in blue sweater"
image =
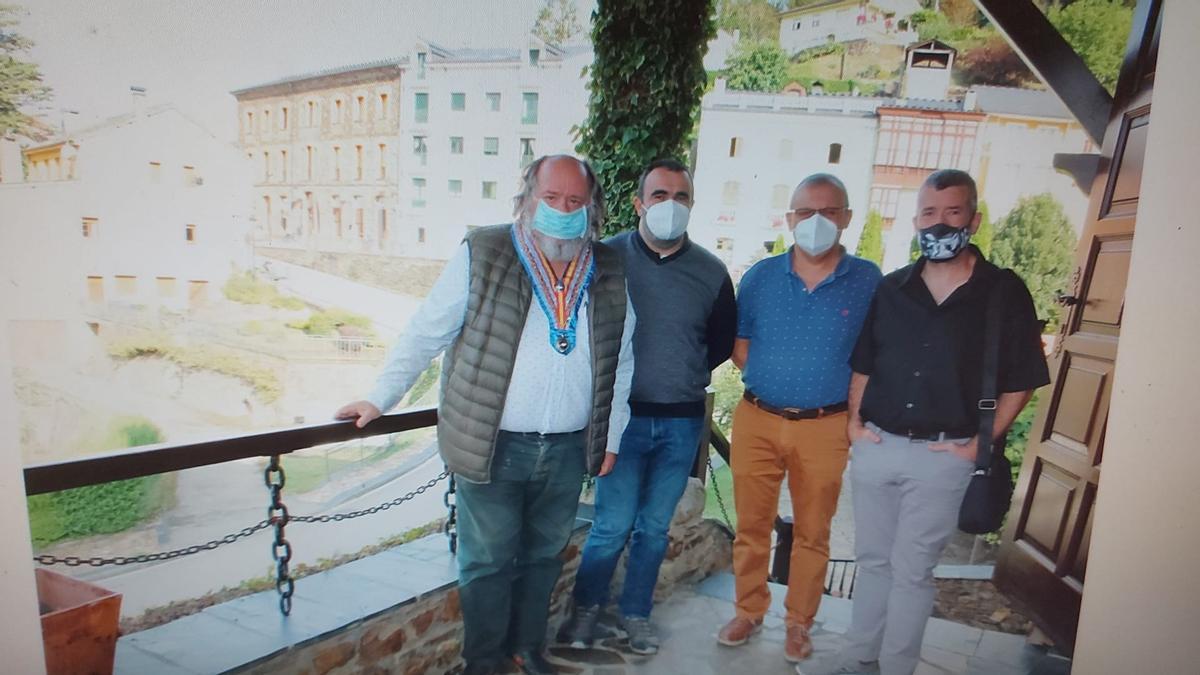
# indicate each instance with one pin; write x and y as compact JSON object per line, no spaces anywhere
{"x":685,"y":297}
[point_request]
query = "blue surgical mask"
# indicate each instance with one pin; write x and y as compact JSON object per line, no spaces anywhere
{"x":815,"y":234}
{"x":554,"y":223}
{"x":942,"y":242}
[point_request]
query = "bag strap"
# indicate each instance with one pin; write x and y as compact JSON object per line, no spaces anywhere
{"x":991,"y":364}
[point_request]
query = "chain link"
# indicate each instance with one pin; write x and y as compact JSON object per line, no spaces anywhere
{"x":712,"y":472}
{"x":281,"y":550}
{"x":450,"y":528}
{"x":98,"y":561}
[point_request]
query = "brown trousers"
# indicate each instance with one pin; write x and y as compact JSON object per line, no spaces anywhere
{"x":812,"y":454}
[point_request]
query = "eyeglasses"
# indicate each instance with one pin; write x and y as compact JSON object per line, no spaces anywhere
{"x":828,"y":212}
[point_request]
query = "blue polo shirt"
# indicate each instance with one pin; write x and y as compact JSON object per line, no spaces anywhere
{"x":800,"y":341}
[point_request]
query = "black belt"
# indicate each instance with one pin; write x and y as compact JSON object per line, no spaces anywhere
{"x":926,"y":435}
{"x":795,"y":413}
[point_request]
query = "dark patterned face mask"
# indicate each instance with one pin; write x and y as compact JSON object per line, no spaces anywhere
{"x":942,"y":242}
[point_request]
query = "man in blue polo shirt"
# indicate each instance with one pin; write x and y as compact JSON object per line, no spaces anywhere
{"x":799,"y":315}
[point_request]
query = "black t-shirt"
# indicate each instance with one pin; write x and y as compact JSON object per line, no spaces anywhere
{"x":925,"y":360}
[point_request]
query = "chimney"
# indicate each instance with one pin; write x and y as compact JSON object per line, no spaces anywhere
{"x":139,"y":100}
{"x":719,"y":85}
{"x":970,"y":101}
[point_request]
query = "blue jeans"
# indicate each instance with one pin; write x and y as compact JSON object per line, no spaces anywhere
{"x":510,"y":534}
{"x":638,"y":496}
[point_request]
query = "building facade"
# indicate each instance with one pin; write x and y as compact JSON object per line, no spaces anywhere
{"x":836,"y":21}
{"x":323,"y":148}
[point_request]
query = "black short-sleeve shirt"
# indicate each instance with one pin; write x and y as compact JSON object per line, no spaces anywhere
{"x":925,"y":360}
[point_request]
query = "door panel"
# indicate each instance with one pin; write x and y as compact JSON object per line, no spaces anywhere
{"x":1042,"y":563}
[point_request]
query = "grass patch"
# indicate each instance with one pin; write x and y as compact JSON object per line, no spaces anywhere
{"x":109,"y":507}
{"x":264,"y":380}
{"x":248,"y":289}
{"x":329,"y":321}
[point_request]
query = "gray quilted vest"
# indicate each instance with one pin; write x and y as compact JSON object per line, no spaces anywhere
{"x":478,"y":366}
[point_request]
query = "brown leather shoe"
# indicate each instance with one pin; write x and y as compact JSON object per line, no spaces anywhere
{"x":798,"y":645}
{"x":737,"y":631}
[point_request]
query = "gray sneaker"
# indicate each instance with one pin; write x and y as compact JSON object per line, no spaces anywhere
{"x":643,"y":639}
{"x":580,"y":629}
{"x":838,"y":664}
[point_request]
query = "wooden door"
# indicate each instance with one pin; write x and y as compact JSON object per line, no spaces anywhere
{"x":1042,"y":562}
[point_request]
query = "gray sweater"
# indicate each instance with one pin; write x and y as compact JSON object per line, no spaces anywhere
{"x":687,"y":320}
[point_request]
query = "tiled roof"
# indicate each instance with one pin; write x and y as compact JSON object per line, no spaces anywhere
{"x":395,"y":62}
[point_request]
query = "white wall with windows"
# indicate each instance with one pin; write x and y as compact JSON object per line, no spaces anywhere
{"x":880,"y":21}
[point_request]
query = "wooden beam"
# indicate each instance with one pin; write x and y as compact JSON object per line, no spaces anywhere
{"x":1048,"y":55}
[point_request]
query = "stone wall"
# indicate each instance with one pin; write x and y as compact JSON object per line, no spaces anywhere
{"x":425,"y":636}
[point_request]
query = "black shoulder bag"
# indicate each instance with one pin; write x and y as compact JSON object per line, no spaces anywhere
{"x":989,"y":494}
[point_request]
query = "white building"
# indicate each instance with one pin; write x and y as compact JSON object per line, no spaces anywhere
{"x":142,"y":209}
{"x":836,"y":21}
{"x":471,"y":119}
{"x":754,"y":148}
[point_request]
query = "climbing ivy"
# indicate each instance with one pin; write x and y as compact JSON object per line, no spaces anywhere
{"x":646,"y":82}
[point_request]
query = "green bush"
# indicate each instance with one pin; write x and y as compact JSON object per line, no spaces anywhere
{"x":814,"y":53}
{"x":262,"y":379}
{"x":248,"y":289}
{"x":327,"y":322}
{"x":1018,"y":436}
{"x":106,"y":508}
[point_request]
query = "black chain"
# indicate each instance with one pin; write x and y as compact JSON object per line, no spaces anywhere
{"x":717,"y":491}
{"x":281,"y":550}
{"x":450,"y":528}
{"x":336,"y":517}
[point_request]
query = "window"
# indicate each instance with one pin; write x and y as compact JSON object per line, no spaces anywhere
{"x":455,"y":187}
{"x":156,"y":171}
{"x":382,"y":161}
{"x":458,"y":101}
{"x":735,"y":146}
{"x":249,"y":122}
{"x":358,"y":162}
{"x":785,"y":149}
{"x":886,"y":201}
{"x":383,"y":222}
{"x":491,"y":145}
{"x":359,"y":223}
{"x":535,"y":55}
{"x":421,"y":108}
{"x":267,"y":121}
{"x":421,"y":58}
{"x":456,"y":145}
{"x":493,"y":101}
{"x":266,"y":167}
{"x":126,"y":286}
{"x":189,"y":176}
{"x":489,"y":189}
{"x":337,"y":163}
{"x":724,"y":244}
{"x":337,"y":218}
{"x":835,"y":153}
{"x":383,"y":106}
{"x":310,"y":116}
{"x":89,"y":227}
{"x":197,"y":293}
{"x":780,"y":197}
{"x":420,"y":235}
{"x":360,"y":104}
{"x":729,"y":194}
{"x":283,"y":117}
{"x":309,"y":155}
{"x":165,"y":286}
{"x":530,"y":114}
{"x":526,"y":151}
{"x":418,"y":192}
{"x":420,"y":149}
{"x":337,"y":111}
{"x":283,"y":165}
{"x":95,"y":289}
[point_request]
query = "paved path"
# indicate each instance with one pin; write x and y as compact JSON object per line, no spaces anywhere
{"x":389,"y":311}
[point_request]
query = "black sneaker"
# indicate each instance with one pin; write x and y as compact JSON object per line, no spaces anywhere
{"x":580,"y":629}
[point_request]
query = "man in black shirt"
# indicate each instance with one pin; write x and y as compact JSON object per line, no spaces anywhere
{"x":914,"y":397}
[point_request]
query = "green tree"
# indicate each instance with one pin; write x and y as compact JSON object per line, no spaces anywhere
{"x":755,"y":20}
{"x":914,"y":249}
{"x":646,"y":82}
{"x":1036,"y":240}
{"x":870,"y":244}
{"x":757,"y":66}
{"x":1097,"y":30}
{"x":557,"y":22}
{"x":780,"y":246}
{"x":984,"y":236}
{"x":20,"y":81}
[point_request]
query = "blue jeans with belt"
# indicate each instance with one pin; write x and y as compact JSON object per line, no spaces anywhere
{"x":510,"y":534}
{"x":635,"y":503}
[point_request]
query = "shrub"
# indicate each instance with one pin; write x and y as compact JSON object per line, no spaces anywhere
{"x":248,"y":289}
{"x":328,"y":321}
{"x":263,"y":380}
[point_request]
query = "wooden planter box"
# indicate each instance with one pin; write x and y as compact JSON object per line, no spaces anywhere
{"x":80,"y":623}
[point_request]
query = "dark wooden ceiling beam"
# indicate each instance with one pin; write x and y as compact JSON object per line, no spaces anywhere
{"x":1049,"y":56}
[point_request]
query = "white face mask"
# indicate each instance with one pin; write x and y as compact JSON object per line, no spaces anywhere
{"x":667,"y":220}
{"x":815,"y":234}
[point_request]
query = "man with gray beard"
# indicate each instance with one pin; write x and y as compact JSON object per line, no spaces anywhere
{"x":537,"y":329}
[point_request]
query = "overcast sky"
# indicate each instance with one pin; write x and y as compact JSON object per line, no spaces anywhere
{"x":192,"y":54}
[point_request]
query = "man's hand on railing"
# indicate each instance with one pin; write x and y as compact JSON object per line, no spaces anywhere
{"x":361,"y":411}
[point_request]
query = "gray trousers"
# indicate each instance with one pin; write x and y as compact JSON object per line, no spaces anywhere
{"x":906,"y":500}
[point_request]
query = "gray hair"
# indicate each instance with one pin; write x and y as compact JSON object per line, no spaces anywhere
{"x":948,"y":178}
{"x":828,"y":179}
{"x":529,"y":183}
